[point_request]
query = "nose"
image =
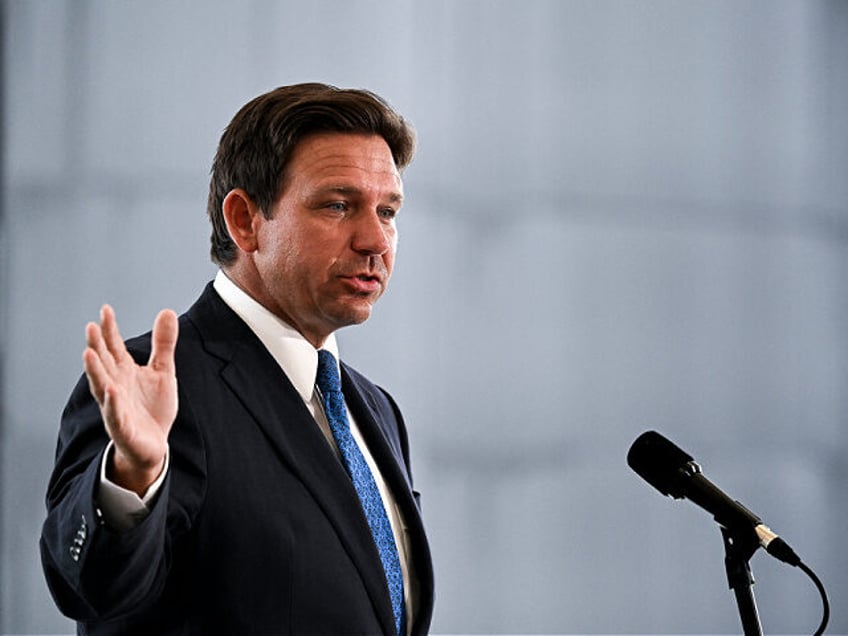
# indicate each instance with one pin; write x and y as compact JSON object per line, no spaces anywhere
{"x":373,"y":234}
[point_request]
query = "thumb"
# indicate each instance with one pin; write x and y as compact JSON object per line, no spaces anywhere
{"x":164,"y":341}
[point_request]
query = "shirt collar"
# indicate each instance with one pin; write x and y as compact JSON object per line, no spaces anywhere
{"x":294,"y":353}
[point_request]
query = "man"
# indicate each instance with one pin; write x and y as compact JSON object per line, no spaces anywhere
{"x":210,"y":476}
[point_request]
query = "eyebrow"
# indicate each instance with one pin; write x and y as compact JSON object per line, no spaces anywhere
{"x":346,"y":190}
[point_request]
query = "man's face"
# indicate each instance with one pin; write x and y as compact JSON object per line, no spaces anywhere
{"x":326,"y":254}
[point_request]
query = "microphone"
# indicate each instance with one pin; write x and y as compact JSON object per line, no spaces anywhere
{"x":674,"y":473}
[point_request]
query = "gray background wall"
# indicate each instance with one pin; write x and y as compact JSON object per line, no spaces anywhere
{"x":623,"y":215}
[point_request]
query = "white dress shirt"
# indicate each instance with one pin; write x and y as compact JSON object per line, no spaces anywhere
{"x":122,"y":509}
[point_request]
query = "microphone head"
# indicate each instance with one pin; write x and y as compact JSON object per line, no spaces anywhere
{"x":661,"y":463}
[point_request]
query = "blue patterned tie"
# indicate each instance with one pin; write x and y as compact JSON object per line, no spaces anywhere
{"x":369,"y":496}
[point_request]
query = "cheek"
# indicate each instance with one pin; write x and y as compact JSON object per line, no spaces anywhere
{"x":389,"y":256}
{"x":392,"y":238}
{"x":284,"y":262}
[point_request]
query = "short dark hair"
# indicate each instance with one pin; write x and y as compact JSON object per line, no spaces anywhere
{"x":257,"y":145}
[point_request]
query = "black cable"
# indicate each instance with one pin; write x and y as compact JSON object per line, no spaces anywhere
{"x":826,"y":612}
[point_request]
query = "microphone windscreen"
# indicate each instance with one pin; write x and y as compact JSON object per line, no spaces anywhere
{"x":659,"y":462}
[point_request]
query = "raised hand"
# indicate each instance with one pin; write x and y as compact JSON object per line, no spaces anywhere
{"x":138,"y":402}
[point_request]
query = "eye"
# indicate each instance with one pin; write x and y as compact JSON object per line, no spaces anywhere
{"x":337,"y":206}
{"x":387,"y":213}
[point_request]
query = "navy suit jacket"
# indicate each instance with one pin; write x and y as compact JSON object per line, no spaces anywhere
{"x":257,"y":528}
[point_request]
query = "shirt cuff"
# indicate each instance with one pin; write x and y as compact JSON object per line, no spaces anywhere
{"x":123,"y":509}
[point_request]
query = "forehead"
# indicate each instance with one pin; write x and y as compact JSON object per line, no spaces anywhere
{"x":324,"y":157}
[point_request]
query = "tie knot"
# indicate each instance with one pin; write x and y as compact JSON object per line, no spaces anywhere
{"x":328,"y":373}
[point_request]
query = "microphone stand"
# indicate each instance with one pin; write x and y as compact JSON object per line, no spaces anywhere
{"x":739,"y":547}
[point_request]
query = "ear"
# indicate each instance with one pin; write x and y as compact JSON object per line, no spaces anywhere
{"x":241,"y":215}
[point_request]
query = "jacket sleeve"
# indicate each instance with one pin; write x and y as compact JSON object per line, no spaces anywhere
{"x":93,"y":571}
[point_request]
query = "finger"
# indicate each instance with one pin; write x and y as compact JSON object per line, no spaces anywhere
{"x":96,"y":343}
{"x":111,"y":408}
{"x":164,"y":341}
{"x":111,"y":335}
{"x":98,"y":379}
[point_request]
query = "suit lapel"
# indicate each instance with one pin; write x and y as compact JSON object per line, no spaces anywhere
{"x":386,"y":450}
{"x":276,"y":407}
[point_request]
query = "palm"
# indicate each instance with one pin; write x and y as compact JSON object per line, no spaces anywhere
{"x":138,"y":402}
{"x":140,"y":410}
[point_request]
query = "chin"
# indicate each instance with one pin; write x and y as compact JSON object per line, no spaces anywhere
{"x":349,"y":311}
{"x":352,"y":317}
